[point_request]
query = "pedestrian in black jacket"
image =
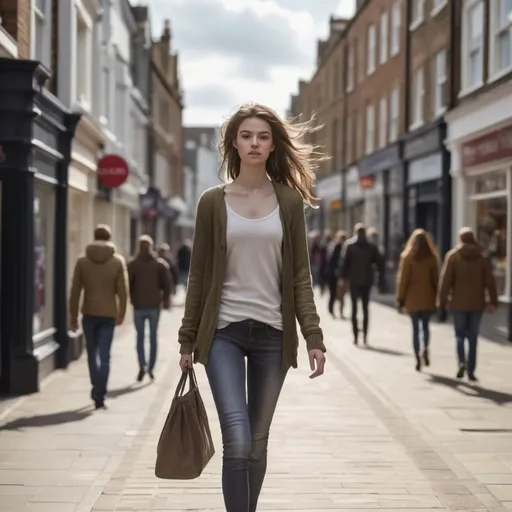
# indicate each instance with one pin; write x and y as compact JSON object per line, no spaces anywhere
{"x":360,"y":258}
{"x":334,"y":273}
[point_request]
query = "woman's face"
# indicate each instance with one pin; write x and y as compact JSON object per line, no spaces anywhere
{"x":254,"y":141}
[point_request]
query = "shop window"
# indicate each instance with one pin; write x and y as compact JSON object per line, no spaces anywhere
{"x":44,"y":238}
{"x":491,"y":231}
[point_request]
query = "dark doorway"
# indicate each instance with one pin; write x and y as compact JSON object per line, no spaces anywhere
{"x":428,"y":218}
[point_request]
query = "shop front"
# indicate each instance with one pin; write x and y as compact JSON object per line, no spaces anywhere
{"x":480,"y":140}
{"x":330,"y":192}
{"x":354,"y":200}
{"x":36,"y":133}
{"x":381,"y":177}
{"x":428,"y":184}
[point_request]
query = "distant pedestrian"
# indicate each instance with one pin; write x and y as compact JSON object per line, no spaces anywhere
{"x":416,"y":289}
{"x":101,"y":275}
{"x":184,"y":256}
{"x":465,"y":279}
{"x":150,"y":290}
{"x":164,"y":252}
{"x":360,"y":259}
{"x":318,"y":260}
{"x":249,"y":283}
{"x":336,"y":292}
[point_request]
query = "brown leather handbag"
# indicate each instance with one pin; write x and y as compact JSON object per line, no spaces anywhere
{"x":185,"y":446}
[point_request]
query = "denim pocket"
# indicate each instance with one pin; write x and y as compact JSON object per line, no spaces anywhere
{"x":273,"y":333}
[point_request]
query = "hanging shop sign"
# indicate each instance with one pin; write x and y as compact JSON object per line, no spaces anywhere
{"x":112,"y":171}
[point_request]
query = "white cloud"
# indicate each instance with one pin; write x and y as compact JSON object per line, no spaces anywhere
{"x":233,"y":51}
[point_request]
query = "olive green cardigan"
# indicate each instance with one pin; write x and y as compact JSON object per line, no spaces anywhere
{"x":207,"y":270}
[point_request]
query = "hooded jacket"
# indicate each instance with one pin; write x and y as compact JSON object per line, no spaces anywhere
{"x":101,"y":274}
{"x":465,"y":279}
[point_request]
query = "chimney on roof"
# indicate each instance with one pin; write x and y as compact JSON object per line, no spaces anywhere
{"x":166,"y":34}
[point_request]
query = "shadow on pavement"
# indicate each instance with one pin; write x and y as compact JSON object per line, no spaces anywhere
{"x":498,"y":397}
{"x":47,"y":420}
{"x":132,"y":388}
{"x":385,"y":351}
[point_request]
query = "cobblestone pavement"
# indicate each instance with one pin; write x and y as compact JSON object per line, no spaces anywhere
{"x":371,"y":434}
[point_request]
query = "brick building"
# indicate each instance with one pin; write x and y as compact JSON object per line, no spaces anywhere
{"x":163,"y":203}
{"x":395,"y":71}
{"x":376,"y":120}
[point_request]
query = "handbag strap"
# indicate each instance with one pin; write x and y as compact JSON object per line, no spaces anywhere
{"x":180,"y":388}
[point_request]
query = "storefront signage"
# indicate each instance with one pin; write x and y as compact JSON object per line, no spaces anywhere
{"x":489,"y":148}
{"x":112,"y":170}
{"x":366,"y":182}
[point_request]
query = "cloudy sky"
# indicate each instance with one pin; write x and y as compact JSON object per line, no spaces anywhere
{"x":233,"y":51}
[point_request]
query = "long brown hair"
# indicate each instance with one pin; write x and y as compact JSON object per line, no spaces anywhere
{"x":293,"y":162}
{"x":420,"y":245}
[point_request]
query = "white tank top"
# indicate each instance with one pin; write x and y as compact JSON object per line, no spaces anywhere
{"x":252,"y":285}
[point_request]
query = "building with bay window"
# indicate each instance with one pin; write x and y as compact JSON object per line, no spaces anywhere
{"x":480,"y":141}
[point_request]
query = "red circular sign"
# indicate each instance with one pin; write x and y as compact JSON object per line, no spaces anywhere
{"x":112,"y":171}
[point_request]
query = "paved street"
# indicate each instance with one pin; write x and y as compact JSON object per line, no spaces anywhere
{"x":371,"y":434}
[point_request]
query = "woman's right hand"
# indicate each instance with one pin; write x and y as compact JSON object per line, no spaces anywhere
{"x":185,"y":362}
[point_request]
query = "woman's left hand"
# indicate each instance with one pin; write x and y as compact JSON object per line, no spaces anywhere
{"x":316,"y":362}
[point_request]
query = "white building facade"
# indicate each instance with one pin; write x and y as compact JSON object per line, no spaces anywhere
{"x":124,"y":123}
{"x":480,"y":141}
{"x":79,"y":36}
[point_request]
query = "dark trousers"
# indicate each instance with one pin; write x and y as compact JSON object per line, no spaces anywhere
{"x":423,"y":318}
{"x":152,"y":316}
{"x":467,"y":327}
{"x":362,"y":293}
{"x":245,"y":423}
{"x":98,"y":333}
{"x":334,"y":296}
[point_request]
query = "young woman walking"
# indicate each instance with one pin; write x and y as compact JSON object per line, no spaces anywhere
{"x":416,"y":288}
{"x":249,"y":280}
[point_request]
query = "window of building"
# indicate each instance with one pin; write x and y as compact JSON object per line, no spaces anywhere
{"x":370,"y":129}
{"x":106,"y":94}
{"x":396,"y":27}
{"x":370,"y":68}
{"x":384,"y":34}
{"x":417,"y":13}
{"x":440,"y":82}
{"x":473,"y":31}
{"x":44,"y":239}
{"x":42,"y":31}
{"x":501,"y":37}
{"x":490,"y":220}
{"x":83,"y":62}
{"x":351,"y":66}
{"x":383,"y":122}
{"x":394,"y":113}
{"x":437,"y":6}
{"x":418,"y":96}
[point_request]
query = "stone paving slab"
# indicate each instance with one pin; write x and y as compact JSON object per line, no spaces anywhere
{"x":372,"y":434}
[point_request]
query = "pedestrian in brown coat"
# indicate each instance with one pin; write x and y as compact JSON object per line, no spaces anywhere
{"x":416,"y":288}
{"x":466,"y":279}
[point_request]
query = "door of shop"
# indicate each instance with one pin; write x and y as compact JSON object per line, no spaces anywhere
{"x":427,"y":218}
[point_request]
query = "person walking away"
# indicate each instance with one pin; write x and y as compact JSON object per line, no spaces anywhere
{"x":416,"y":289}
{"x":164,"y":252}
{"x":333,"y":273}
{"x":249,"y":281}
{"x":184,"y":255}
{"x":150,"y":289}
{"x":360,"y":259}
{"x":466,"y":277}
{"x":101,"y":275}
{"x":318,"y":256}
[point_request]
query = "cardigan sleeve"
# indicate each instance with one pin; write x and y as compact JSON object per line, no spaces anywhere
{"x":192,"y":316}
{"x":305,"y":308}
